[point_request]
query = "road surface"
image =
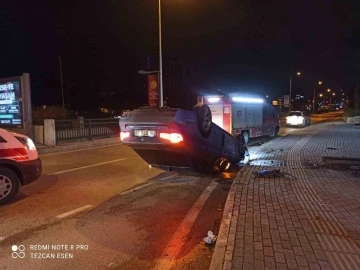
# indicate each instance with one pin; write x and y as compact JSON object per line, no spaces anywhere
{"x":104,"y":208}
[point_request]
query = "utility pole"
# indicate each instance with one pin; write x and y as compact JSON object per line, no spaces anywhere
{"x":314,"y":101}
{"x":290,"y":96}
{"x":160,"y":61}
{"x":62,"y":85}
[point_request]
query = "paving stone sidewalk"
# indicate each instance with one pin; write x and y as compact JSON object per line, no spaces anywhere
{"x":308,"y":221}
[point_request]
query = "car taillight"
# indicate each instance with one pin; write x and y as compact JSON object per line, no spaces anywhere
{"x":172,"y":137}
{"x":124,"y":135}
{"x":27,"y":142}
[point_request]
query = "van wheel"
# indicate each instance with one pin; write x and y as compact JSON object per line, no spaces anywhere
{"x":275,"y":132}
{"x":246,"y":136}
{"x":204,"y":119}
{"x":9,"y":185}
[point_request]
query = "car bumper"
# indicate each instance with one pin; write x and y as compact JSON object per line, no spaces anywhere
{"x":295,"y":124}
{"x":31,"y":170}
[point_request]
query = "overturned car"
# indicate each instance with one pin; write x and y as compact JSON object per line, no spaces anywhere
{"x":177,"y":138}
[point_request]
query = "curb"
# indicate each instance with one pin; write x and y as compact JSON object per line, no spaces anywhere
{"x":78,"y":146}
{"x":218,"y":258}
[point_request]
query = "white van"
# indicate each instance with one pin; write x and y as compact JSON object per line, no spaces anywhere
{"x":19,"y":164}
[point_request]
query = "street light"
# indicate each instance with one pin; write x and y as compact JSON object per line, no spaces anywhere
{"x":298,"y":74}
{"x":330,"y":97}
{"x":319,"y":83}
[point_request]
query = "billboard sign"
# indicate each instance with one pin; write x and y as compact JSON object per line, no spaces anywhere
{"x":11,"y":114}
{"x":153,"y":90}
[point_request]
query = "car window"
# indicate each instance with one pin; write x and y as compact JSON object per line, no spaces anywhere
{"x":294,"y":113}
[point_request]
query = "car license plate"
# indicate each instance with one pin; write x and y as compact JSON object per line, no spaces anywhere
{"x":145,"y":133}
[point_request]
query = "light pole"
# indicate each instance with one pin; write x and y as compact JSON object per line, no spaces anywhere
{"x":61,"y":79}
{"x":328,"y":92}
{"x":160,"y":60}
{"x":298,"y":74}
{"x":319,"y":83}
{"x":330,"y":97}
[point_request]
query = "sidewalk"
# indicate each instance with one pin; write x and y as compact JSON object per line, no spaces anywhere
{"x":71,"y":146}
{"x":311,"y":221}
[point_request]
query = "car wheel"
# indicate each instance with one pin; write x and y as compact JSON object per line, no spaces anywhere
{"x":204,"y":119}
{"x":246,"y":136}
{"x":9,"y":185}
{"x":241,"y":146}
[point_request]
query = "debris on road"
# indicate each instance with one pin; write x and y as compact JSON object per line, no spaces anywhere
{"x":272,"y":173}
{"x":211,"y":238}
{"x":330,"y":148}
{"x":312,"y":165}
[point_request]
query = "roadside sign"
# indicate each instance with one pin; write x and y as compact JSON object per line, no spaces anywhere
{"x":11,"y":113}
{"x":286,"y":100}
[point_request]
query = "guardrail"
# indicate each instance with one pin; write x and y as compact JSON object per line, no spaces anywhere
{"x":86,"y":128}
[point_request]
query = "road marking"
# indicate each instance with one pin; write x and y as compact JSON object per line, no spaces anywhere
{"x":176,"y":243}
{"x":167,"y":177}
{"x":2,"y":238}
{"x":135,"y":189}
{"x":72,"y":212}
{"x":88,"y":166}
{"x":79,"y":150}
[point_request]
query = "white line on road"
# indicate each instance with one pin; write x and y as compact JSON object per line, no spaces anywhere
{"x":79,"y":150}
{"x":176,"y":243}
{"x":72,"y":212}
{"x":167,"y":177}
{"x":137,"y":188}
{"x":88,"y":166}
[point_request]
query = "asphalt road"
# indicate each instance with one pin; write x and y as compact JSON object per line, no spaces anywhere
{"x":116,"y":212}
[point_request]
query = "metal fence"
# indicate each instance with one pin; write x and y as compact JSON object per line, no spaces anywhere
{"x":86,"y":128}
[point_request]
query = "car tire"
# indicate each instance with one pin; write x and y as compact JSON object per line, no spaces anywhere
{"x":204,"y":119}
{"x":9,"y":185}
{"x":246,"y":136}
{"x":241,"y":146}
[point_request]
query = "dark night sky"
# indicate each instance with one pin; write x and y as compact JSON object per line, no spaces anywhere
{"x":233,"y":45}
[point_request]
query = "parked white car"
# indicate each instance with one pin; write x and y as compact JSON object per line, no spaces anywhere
{"x":19,"y":164}
{"x":298,"y":118}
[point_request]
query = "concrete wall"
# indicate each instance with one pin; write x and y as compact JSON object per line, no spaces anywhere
{"x":49,"y":132}
{"x":39,"y":134}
